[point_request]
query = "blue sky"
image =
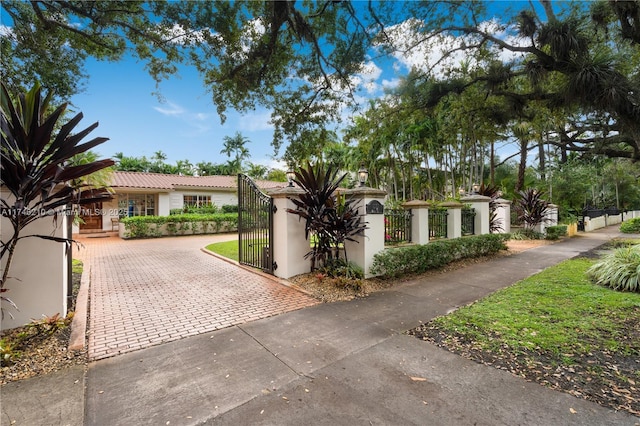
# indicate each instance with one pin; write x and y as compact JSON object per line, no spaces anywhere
{"x":183,"y":124}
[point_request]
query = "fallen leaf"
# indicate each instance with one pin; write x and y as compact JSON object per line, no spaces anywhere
{"x":418,"y":379}
{"x":572,"y":411}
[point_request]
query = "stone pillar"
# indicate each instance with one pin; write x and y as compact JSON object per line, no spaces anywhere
{"x":454,"y":219}
{"x":481,"y":205}
{"x":369,"y":202}
{"x":550,"y":218}
{"x":503,"y":215}
{"x":419,"y":220}
{"x":289,"y":243}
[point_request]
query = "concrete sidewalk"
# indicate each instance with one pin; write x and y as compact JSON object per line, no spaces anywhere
{"x":341,"y":363}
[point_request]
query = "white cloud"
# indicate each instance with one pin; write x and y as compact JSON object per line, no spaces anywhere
{"x":435,"y":53}
{"x":6,"y":31}
{"x":255,"y":122}
{"x":171,"y":110}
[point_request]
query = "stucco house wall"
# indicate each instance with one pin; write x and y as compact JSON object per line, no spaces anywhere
{"x":38,"y":273}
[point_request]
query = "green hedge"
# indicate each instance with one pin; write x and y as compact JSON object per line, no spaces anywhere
{"x":631,"y":226}
{"x":555,"y":232}
{"x":179,"y":224}
{"x":395,"y":262}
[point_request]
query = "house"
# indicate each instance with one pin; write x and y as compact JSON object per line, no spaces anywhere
{"x":156,"y":194}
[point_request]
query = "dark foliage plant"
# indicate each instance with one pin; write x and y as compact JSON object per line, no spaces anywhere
{"x":531,"y":207}
{"x":330,"y":218}
{"x":35,"y":168}
{"x":493,"y":192}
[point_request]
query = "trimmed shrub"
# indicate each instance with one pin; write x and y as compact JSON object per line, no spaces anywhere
{"x":229,"y":208}
{"x":631,"y":226}
{"x":619,"y":270}
{"x":150,"y":226}
{"x":395,"y":262}
{"x":555,"y":232}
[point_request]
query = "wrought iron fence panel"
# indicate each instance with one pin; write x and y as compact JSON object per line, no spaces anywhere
{"x":397,"y":226}
{"x":437,"y":223}
{"x":468,"y":221}
{"x":255,"y":226}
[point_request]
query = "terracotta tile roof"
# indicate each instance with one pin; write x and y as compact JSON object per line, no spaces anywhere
{"x":168,"y":182}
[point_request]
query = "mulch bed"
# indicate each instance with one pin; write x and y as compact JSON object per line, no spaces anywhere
{"x":608,"y":378}
{"x":40,"y":353}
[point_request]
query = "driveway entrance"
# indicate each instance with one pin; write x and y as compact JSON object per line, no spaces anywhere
{"x":147,"y":292}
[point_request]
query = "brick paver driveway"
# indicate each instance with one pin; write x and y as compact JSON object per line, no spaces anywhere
{"x":147,"y":292}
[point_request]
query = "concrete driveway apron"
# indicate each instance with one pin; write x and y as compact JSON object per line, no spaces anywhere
{"x":147,"y":292}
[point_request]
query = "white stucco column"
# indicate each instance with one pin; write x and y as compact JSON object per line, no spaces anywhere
{"x":481,"y":204}
{"x":503,"y":215}
{"x":38,"y":272}
{"x":369,"y":202}
{"x":454,"y":219}
{"x":550,"y":218}
{"x":419,"y":220}
{"x":289,"y":243}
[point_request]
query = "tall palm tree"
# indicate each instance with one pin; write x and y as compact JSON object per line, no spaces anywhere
{"x":235,"y":146}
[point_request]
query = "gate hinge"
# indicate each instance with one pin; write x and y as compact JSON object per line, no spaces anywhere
{"x":275,"y":209}
{"x":275,"y":266}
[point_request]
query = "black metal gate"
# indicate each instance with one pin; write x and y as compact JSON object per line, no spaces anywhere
{"x":255,"y":226}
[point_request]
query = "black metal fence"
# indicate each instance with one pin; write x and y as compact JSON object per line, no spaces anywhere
{"x":468,"y":221}
{"x":437,"y":223}
{"x":397,"y":226}
{"x":255,"y":226}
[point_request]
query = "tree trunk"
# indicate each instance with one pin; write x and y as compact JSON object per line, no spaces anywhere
{"x":522,"y":167}
{"x":541,"y":160}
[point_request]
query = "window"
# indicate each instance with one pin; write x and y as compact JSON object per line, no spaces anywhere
{"x":136,"y":205}
{"x":197,"y":200}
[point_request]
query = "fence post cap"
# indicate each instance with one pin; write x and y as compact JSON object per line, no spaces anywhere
{"x":416,"y":204}
{"x":451,"y":205}
{"x":364,"y":191}
{"x":476,"y":197}
{"x":287,"y":191}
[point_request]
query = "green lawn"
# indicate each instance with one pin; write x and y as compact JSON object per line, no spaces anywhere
{"x":558,"y":311}
{"x":76,"y":266}
{"x":228,"y":249}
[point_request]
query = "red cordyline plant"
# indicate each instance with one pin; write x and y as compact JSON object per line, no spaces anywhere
{"x":331,"y":218}
{"x":530,"y":207}
{"x":36,"y":178}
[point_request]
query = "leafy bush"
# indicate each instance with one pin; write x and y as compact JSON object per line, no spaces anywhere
{"x":631,"y":226}
{"x":395,"y":262}
{"x":619,"y":270}
{"x":526,"y":234}
{"x":150,"y":226}
{"x":209,"y":209}
{"x":341,"y":268}
{"x":555,"y":232}
{"x":229,"y":208}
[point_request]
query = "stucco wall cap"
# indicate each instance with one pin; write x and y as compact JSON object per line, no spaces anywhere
{"x":451,"y":205}
{"x":414,"y":204}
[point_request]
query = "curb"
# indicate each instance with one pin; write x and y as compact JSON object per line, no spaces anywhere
{"x":79,"y":323}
